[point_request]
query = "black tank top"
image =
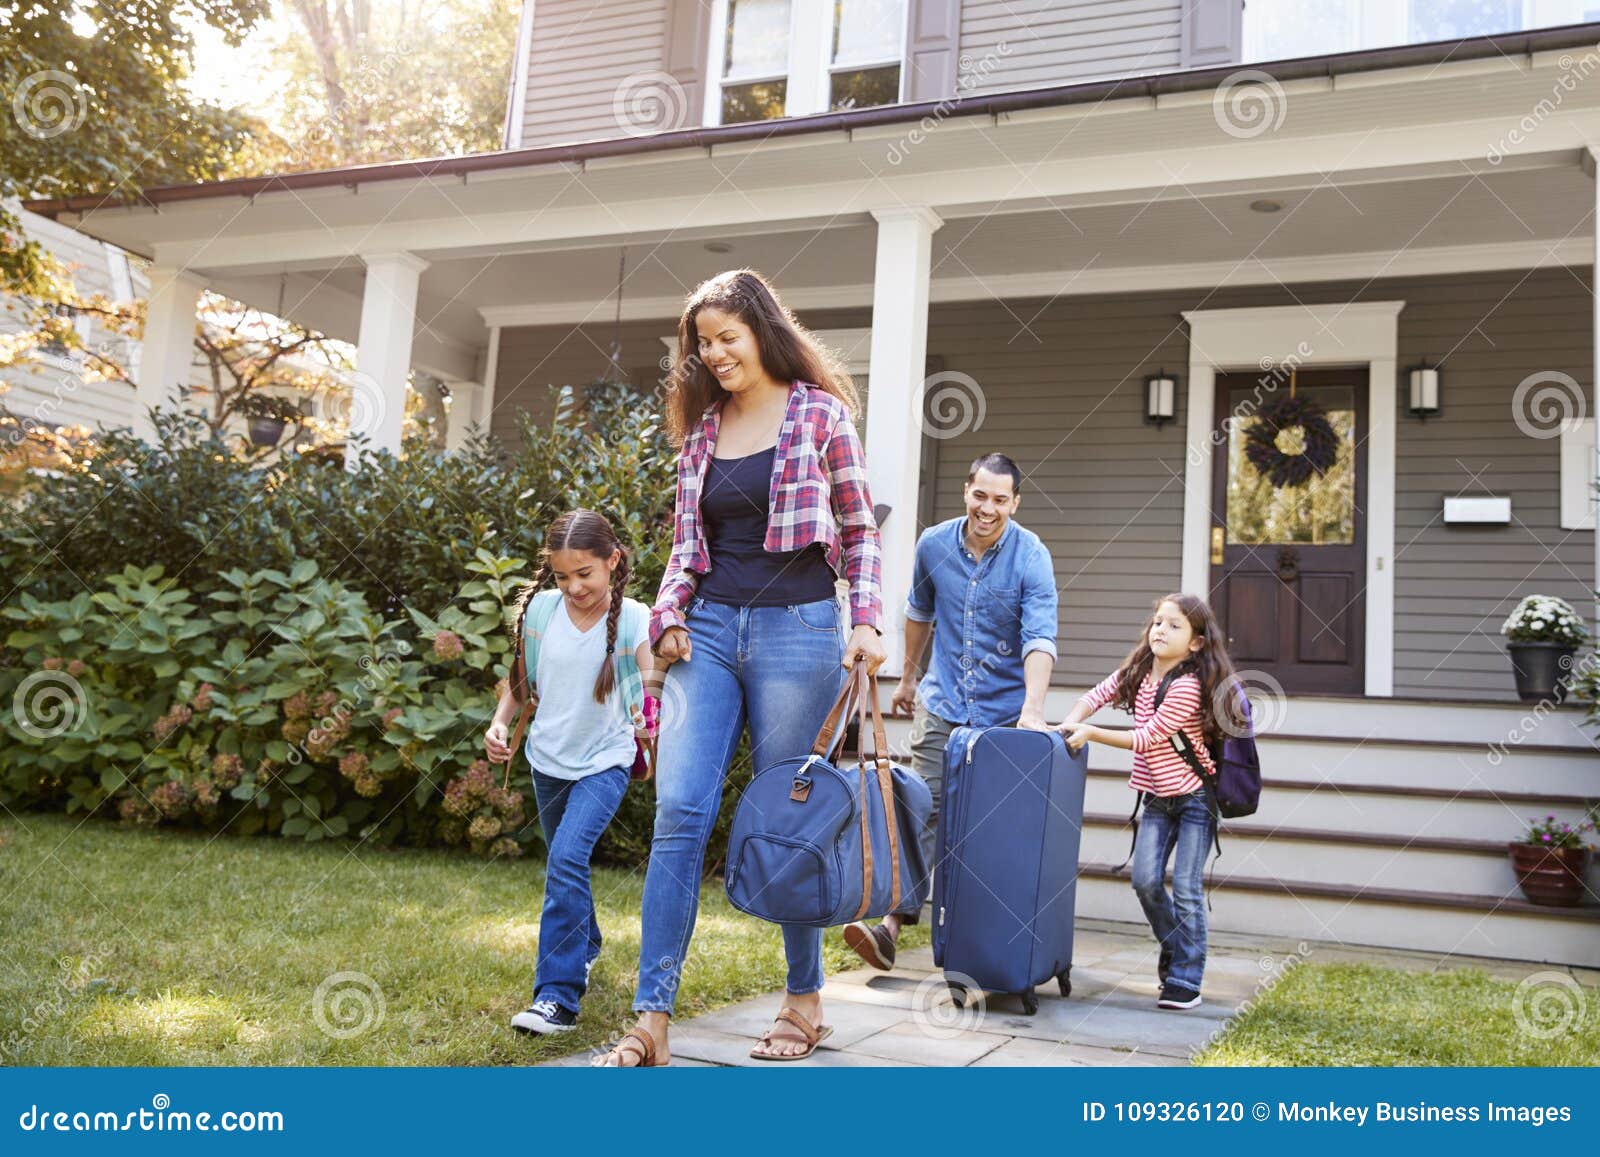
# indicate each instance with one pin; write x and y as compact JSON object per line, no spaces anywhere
{"x":735,"y":505}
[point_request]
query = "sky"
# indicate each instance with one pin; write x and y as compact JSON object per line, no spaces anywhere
{"x":236,"y":76}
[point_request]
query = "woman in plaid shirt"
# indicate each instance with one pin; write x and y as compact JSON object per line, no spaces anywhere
{"x":772,"y":508}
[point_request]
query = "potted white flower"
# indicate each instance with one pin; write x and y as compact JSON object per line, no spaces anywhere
{"x":1541,"y":636}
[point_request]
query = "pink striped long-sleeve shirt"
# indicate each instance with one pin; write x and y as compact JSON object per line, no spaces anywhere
{"x":1157,"y":768}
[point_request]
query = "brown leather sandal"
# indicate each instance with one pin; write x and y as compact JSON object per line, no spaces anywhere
{"x":636,"y":1042}
{"x":808,"y":1035}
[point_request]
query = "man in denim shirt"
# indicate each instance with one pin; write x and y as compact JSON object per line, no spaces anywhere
{"x":985,"y":589}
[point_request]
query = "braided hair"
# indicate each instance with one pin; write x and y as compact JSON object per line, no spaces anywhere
{"x":589,"y":532}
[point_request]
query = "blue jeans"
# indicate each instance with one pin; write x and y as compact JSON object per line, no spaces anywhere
{"x":574,"y":814}
{"x":1182,"y":824}
{"x":777,"y":669}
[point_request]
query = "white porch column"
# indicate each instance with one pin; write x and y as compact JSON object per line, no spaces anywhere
{"x":894,"y":417}
{"x":466,"y":411}
{"x":1593,"y":165}
{"x":383,"y":351}
{"x":166,"y":354}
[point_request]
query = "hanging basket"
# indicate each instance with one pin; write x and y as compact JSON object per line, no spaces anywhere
{"x":1291,"y":442}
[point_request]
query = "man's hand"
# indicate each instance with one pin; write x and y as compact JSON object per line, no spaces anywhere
{"x":1032,"y":721}
{"x":904,"y":699}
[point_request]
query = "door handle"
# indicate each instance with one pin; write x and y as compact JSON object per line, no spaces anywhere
{"x":1218,"y":537}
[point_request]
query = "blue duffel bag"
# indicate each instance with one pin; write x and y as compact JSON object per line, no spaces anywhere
{"x":813,"y":843}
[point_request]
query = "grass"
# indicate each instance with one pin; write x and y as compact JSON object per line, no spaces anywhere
{"x":1359,"y":1014}
{"x":122,"y":947}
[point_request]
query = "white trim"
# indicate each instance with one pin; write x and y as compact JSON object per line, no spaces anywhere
{"x":516,"y":111}
{"x":1576,"y":252}
{"x":1578,"y":473}
{"x":1302,"y":335}
{"x":491,"y":370}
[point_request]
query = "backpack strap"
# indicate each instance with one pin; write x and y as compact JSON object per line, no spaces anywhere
{"x":525,"y":664}
{"x":1179,"y":742}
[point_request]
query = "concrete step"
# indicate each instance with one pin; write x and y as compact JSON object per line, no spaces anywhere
{"x":1385,"y":809}
{"x":1449,"y":866}
{"x":1390,"y":918}
{"x":1514,"y":726}
{"x":1416,"y":763}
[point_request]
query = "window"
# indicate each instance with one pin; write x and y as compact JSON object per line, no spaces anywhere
{"x":776,"y":58}
{"x":864,"y":64}
{"x":63,"y":356}
{"x":1282,"y":29}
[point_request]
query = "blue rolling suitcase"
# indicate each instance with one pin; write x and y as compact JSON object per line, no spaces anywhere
{"x":1007,"y":877}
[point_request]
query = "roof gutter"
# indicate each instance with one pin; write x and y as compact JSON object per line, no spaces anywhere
{"x":1405,"y":56}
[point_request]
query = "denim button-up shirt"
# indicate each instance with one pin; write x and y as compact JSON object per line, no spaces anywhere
{"x":987,"y":617}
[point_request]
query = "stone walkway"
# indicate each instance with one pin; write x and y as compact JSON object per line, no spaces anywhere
{"x":905,"y":1017}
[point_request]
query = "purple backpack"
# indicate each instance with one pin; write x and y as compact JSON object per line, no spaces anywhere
{"x":1235,"y":788}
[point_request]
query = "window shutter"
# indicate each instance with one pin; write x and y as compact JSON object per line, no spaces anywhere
{"x":1213,"y":33}
{"x":688,"y":42}
{"x":933,"y":48}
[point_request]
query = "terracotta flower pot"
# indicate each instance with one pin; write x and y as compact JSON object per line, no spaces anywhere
{"x":1539,"y":669}
{"x":1552,"y":876}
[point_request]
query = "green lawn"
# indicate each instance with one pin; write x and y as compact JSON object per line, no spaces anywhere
{"x":1358,"y":1014}
{"x":126,"y":947}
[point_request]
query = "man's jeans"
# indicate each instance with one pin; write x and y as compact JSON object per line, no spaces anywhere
{"x":1182,"y":824}
{"x":777,"y":669}
{"x":574,"y":814}
{"x":929,"y":736}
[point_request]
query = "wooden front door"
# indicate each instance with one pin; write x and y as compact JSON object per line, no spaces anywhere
{"x":1288,"y":564}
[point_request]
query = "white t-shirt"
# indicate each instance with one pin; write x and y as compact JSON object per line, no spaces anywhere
{"x":571,"y":735}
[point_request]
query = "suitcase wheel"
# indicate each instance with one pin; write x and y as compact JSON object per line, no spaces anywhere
{"x":1064,"y":981}
{"x":1030,"y":1002}
{"x":958,"y":994}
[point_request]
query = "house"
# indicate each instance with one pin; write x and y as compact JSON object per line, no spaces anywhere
{"x":1087,"y":232}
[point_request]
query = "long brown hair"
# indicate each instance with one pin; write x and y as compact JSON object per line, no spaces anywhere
{"x":1220,"y":713}
{"x":589,"y":532}
{"x":789,"y":351}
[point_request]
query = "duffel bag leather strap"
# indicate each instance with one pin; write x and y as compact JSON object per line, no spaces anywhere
{"x":858,"y":677}
{"x":837,"y":714}
{"x":866,"y":695}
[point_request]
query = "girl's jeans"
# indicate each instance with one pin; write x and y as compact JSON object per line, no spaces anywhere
{"x":573,"y":814}
{"x":775,"y":669}
{"x":1182,"y":824}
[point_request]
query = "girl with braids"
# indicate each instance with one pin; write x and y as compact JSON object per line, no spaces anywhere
{"x":581,"y":743}
{"x":1181,"y":689}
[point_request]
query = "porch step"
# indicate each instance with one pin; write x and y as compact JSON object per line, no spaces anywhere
{"x":1460,"y":924}
{"x":1418,"y":763}
{"x":1378,"y":808}
{"x":1355,"y":860}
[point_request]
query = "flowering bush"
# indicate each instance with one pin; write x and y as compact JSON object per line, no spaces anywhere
{"x":1544,"y":619}
{"x":1552,"y":833}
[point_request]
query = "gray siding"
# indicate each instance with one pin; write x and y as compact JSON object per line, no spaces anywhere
{"x":1061,"y":383}
{"x":1013,"y":44}
{"x":581,"y":54}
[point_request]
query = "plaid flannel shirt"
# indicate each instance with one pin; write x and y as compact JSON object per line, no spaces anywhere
{"x":819,"y":495}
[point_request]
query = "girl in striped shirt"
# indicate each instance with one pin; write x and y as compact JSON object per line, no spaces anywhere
{"x":1181,"y":659}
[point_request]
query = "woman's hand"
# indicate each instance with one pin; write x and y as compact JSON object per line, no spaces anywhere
{"x":1076,"y":734}
{"x":674,"y":645}
{"x":496,"y":743}
{"x":864,"y":641}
